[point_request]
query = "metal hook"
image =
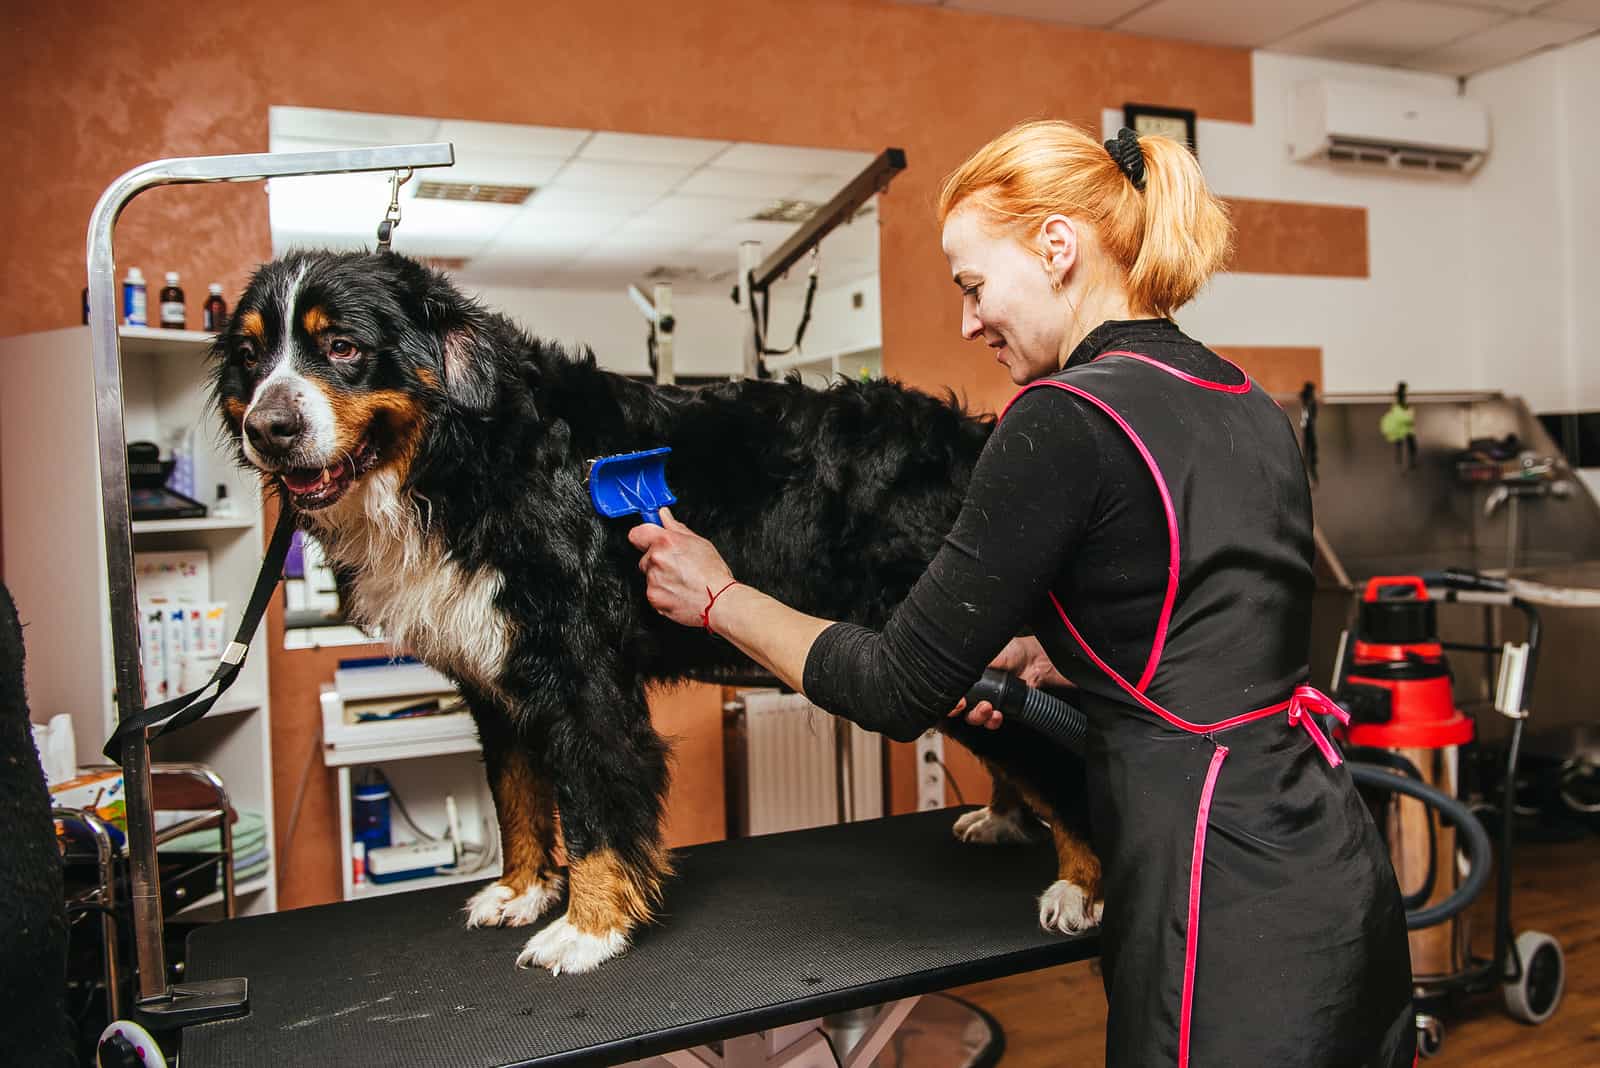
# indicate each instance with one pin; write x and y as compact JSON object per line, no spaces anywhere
{"x":391,"y":216}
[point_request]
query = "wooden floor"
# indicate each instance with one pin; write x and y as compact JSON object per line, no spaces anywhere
{"x":1056,"y":1018}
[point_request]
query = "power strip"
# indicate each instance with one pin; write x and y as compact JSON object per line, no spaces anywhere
{"x":392,"y":863}
{"x":930,"y":771}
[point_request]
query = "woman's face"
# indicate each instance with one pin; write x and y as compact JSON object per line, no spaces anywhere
{"x":1007,"y":299}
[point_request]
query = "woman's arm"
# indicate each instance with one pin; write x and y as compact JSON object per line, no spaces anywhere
{"x":1029,"y":504}
{"x":687,"y":575}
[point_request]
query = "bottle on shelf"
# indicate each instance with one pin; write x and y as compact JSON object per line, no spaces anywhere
{"x":85,"y":305}
{"x":216,"y":309}
{"x":134,"y":299}
{"x":224,"y":508}
{"x":172,"y":313}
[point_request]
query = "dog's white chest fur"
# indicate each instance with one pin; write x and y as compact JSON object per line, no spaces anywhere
{"x":407,"y":584}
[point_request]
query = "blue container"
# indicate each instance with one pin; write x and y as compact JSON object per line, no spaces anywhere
{"x":369,"y":816}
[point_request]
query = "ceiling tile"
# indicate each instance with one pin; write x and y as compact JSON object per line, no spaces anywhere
{"x":345,"y":204}
{"x":509,"y":139}
{"x":647,"y":148}
{"x":703,"y":214}
{"x":653,"y":179}
{"x":572,"y":226}
{"x":601,"y":203}
{"x":351,"y":128}
{"x":1077,"y":13}
{"x":1498,"y":45}
{"x":784,"y":159}
{"x":722,"y":181}
{"x":1585,"y":11}
{"x":1387,"y":31}
{"x":486,"y":167}
{"x":1243,"y":23}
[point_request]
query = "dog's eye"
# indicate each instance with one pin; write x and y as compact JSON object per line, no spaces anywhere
{"x":247,"y":356}
{"x":343,"y":349}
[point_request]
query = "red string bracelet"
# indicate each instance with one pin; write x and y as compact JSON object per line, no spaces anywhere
{"x":705,"y":616}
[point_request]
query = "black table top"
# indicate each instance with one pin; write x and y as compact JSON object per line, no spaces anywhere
{"x":755,"y":933}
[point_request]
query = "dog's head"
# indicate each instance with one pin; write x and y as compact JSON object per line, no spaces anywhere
{"x":333,"y":365}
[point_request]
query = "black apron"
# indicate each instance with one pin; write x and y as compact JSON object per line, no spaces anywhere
{"x":1252,"y":916}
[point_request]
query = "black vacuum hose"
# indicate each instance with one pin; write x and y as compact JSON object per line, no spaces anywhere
{"x":1033,"y":708}
{"x":1066,"y":725}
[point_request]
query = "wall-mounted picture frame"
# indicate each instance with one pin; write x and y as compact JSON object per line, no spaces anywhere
{"x":1176,"y":123}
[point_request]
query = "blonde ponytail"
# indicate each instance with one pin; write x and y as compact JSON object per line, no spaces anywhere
{"x":1186,"y":234}
{"x":1167,"y":239}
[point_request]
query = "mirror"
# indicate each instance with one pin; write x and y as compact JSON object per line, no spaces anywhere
{"x":570,"y":232}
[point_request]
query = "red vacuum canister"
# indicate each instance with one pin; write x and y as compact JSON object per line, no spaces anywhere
{"x":1397,"y":688}
{"x":1397,"y":651}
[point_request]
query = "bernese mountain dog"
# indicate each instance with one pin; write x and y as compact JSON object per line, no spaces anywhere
{"x":439,"y":455}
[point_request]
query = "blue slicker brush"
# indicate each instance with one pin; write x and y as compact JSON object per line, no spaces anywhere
{"x":634,"y":483}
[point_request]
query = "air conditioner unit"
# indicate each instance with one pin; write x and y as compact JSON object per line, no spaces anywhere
{"x":1347,"y":122}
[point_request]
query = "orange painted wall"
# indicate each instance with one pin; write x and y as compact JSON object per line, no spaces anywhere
{"x":94,"y":88}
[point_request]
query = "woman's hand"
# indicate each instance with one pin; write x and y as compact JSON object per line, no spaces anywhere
{"x":1024,"y":658}
{"x":682,"y":570}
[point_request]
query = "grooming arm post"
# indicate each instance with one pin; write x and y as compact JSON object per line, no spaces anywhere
{"x":155,"y":997}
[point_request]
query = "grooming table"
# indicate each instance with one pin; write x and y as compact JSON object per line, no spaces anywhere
{"x":758,"y":936}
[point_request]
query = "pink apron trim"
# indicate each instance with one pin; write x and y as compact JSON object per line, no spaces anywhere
{"x":1191,"y":940}
{"x":1173,"y":554}
{"x":1203,"y":383}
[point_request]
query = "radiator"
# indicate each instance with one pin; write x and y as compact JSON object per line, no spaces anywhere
{"x":786,"y":774}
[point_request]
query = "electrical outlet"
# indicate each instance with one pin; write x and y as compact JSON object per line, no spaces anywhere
{"x":930,"y":771}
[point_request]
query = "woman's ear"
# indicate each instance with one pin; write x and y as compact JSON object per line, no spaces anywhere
{"x":1058,"y":248}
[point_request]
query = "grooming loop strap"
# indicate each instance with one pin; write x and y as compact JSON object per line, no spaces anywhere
{"x":183,"y":710}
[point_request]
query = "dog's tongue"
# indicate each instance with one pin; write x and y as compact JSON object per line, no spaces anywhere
{"x":304,"y":481}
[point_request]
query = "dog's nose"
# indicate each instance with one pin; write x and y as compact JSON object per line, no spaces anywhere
{"x":273,"y":430}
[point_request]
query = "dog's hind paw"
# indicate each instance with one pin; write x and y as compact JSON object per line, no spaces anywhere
{"x":498,"y":905}
{"x":561,"y":947}
{"x":985,"y":826}
{"x":1067,"y":907}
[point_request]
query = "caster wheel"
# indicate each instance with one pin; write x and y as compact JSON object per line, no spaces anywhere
{"x":124,"y":1044}
{"x":1534,"y":998}
{"x":1430,"y":1035}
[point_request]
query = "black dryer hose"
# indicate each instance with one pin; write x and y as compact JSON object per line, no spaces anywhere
{"x":1067,"y":726}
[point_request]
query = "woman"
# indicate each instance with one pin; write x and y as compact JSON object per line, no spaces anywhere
{"x":1143,"y":506}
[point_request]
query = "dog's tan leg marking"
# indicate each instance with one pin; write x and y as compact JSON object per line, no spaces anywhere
{"x":1072,"y":903}
{"x":529,"y":883}
{"x":609,"y":899}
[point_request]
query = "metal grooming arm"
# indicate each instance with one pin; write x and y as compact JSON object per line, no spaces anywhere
{"x":658,"y":313}
{"x":164,"y":1005}
{"x":756,"y":277}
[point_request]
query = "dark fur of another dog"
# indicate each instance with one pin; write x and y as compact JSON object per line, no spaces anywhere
{"x":33,"y":966}
{"x":439,"y":454}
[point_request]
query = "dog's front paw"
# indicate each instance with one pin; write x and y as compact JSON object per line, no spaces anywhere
{"x":561,"y":947}
{"x":985,"y":826}
{"x":498,"y":905}
{"x":1068,"y":908}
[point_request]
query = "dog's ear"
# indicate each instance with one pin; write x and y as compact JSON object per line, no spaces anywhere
{"x":466,"y":356}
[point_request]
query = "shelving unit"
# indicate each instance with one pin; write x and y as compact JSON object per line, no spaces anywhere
{"x":54,"y":545}
{"x":424,"y":758}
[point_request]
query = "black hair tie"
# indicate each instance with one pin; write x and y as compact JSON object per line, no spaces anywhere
{"x":1124,"y":151}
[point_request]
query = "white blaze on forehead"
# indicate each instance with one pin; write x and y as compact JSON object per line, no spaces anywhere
{"x":316,"y":411}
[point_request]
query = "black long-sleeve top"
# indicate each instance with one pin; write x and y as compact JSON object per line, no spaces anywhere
{"x":1060,"y":501}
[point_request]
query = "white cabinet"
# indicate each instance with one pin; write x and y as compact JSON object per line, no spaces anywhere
{"x":54,"y":549}
{"x":425,"y":759}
